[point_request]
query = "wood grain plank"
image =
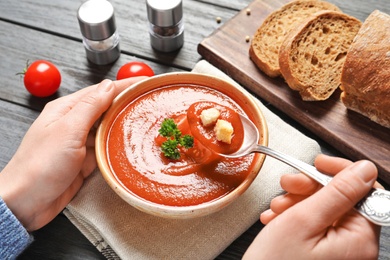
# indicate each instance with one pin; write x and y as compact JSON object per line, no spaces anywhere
{"x":60,"y":239}
{"x":131,"y":19}
{"x":19,"y":44}
{"x":236,"y":5}
{"x":360,"y":8}
{"x":14,"y":122}
{"x":351,"y":133}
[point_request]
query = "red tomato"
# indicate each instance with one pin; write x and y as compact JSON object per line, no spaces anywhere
{"x":134,"y":69}
{"x":42,"y":78}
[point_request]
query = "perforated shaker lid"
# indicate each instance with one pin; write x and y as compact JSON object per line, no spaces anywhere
{"x":96,"y":19}
{"x":164,"y":13}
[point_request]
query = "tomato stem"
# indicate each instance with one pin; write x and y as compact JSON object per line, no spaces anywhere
{"x":24,"y":70}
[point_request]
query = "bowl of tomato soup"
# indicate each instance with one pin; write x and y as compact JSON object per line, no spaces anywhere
{"x":195,"y":181}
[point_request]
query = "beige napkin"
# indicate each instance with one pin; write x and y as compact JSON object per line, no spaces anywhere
{"x":121,"y":231}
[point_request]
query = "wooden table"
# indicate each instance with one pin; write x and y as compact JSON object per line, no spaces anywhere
{"x":40,"y":29}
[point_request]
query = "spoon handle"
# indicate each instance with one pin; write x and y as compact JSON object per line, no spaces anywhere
{"x":375,"y":206}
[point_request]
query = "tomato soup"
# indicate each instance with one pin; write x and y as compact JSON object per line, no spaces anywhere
{"x":135,"y":156}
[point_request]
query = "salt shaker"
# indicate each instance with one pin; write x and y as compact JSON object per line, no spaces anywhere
{"x":166,"y":27}
{"x":100,"y":37}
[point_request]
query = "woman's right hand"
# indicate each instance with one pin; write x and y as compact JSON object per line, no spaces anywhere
{"x":314,"y":222}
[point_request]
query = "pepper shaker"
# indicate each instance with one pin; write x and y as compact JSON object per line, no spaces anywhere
{"x":100,"y":37}
{"x":166,"y":27}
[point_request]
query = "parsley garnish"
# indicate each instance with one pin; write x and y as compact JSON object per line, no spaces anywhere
{"x":173,"y":134}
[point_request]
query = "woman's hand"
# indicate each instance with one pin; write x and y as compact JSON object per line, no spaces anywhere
{"x":56,"y":154}
{"x":311,"y":221}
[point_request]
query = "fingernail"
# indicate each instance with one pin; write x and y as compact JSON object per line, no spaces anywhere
{"x":365,"y":169}
{"x":105,"y":85}
{"x":266,"y":213}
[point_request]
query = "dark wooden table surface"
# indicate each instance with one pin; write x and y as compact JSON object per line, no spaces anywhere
{"x":42,"y":29}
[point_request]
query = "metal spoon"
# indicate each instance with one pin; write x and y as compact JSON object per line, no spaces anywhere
{"x":375,"y":206}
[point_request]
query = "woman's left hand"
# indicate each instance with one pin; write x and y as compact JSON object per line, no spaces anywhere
{"x":56,"y":154}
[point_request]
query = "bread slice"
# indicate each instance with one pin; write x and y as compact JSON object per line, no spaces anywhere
{"x":312,"y":55}
{"x":264,"y":48}
{"x":365,"y":78}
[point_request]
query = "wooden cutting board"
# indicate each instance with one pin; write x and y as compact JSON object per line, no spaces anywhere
{"x":349,"y":132}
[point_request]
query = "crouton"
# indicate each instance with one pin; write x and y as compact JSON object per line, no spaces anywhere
{"x":209,"y":116}
{"x":223,"y":131}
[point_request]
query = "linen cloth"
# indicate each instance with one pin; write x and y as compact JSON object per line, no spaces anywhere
{"x":120,"y":231}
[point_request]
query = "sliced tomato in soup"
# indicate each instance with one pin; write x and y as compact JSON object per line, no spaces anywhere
{"x":206,"y":135}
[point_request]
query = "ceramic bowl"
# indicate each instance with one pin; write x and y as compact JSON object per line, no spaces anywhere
{"x":234,"y":91}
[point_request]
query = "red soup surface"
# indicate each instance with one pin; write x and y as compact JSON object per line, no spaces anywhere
{"x":134,"y":153}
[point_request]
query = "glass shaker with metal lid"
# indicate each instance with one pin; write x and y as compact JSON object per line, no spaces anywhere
{"x":100,"y":37}
{"x":166,"y":27}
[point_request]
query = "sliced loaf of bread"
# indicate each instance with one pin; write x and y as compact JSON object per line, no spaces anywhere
{"x":264,"y":48}
{"x":365,"y":78}
{"x":312,"y":55}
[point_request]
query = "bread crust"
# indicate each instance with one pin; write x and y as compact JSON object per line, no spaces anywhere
{"x":313,"y":53}
{"x":266,"y":41}
{"x":365,"y":78}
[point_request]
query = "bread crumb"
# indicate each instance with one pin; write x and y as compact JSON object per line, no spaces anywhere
{"x":247,"y":38}
{"x":218,"y":19}
{"x":209,"y":116}
{"x":223,"y":131}
{"x":248,"y":11}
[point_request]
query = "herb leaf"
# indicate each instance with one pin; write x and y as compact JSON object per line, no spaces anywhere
{"x":187,"y":141}
{"x":170,"y":130}
{"x":170,"y":150}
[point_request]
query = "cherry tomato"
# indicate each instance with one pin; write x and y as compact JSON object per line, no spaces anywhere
{"x":42,"y":78}
{"x":134,"y":69}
